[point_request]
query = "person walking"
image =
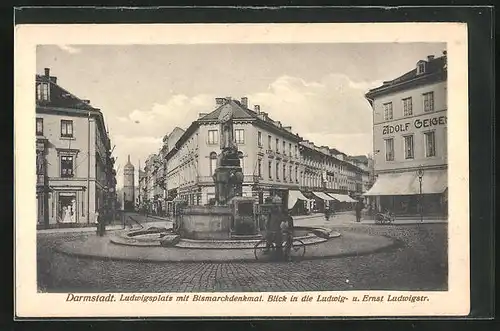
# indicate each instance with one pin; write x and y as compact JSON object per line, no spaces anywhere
{"x":359,"y":207}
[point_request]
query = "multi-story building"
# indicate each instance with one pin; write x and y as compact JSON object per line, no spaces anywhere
{"x":75,"y":170}
{"x":129,"y":186}
{"x":274,"y":160}
{"x":410,"y":140}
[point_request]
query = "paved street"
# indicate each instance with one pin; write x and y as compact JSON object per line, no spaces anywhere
{"x":420,"y":264}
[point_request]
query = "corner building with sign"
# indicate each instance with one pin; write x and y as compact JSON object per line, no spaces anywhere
{"x":410,"y":141}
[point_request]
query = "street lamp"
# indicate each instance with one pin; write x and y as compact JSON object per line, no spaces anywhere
{"x":420,"y":174}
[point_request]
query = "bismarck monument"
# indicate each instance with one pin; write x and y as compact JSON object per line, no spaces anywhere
{"x":231,"y":214}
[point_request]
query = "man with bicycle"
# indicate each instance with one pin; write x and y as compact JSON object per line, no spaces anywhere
{"x":273,"y":227}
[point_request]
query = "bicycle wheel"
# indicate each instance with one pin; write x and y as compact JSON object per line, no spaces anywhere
{"x":298,"y":248}
{"x":259,"y":250}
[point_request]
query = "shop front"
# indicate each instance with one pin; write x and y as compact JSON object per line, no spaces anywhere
{"x":411,"y":193}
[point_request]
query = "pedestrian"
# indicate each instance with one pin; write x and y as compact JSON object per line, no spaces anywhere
{"x":359,"y":207}
{"x":287,"y":232}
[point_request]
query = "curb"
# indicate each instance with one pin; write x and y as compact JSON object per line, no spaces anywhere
{"x":395,"y":244}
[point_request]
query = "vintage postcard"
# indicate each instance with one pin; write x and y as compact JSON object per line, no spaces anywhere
{"x":239,"y":170}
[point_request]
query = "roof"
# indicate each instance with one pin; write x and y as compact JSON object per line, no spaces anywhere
{"x":435,"y":69}
{"x":359,"y":158}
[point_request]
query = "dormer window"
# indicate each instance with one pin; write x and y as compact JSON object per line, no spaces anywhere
{"x":42,"y":92}
{"x":420,"y":67}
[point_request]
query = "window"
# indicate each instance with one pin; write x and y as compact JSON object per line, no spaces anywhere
{"x":270,"y":170}
{"x":290,"y":173}
{"x":213,"y":162}
{"x":284,"y":171}
{"x":388,"y":111}
{"x":259,"y":138}
{"x":240,"y":156}
{"x":277,"y":145}
{"x":39,"y":126}
{"x":259,"y":168}
{"x":407,"y":107}
{"x":269,"y":142}
{"x":389,"y":149}
{"x":66,"y":166}
{"x":290,"y":149}
{"x":296,"y":148}
{"x":428,"y":101}
{"x":277,"y":170}
{"x":42,"y":92}
{"x":239,"y":135}
{"x":213,"y":137}
{"x":296,"y":171}
{"x":430,"y":144}
{"x":408,"y":147}
{"x":66,"y":129}
{"x":284,"y":147}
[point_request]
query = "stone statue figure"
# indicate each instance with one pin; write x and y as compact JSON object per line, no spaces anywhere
{"x":228,"y":176}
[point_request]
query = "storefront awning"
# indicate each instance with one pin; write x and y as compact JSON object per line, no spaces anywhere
{"x":407,"y":183}
{"x":323,"y":196}
{"x":342,"y":197}
{"x":293,"y":196}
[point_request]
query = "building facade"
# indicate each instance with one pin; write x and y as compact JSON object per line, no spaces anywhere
{"x":75,"y":169}
{"x":410,"y":140}
{"x":129,"y":186}
{"x":274,"y":160}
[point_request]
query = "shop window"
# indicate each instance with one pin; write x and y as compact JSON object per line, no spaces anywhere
{"x":408,"y":147}
{"x":39,"y":126}
{"x":67,"y":166}
{"x":430,"y":144}
{"x":213,"y":137}
{"x":389,"y":149}
{"x":66,"y":128}
{"x":428,"y":101}
{"x":67,"y":208}
{"x":407,"y":107}
{"x":388,"y":115}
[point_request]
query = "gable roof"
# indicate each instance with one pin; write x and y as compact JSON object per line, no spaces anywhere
{"x":435,"y":70}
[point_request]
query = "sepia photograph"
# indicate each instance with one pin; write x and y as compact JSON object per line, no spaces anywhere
{"x":239,"y":172}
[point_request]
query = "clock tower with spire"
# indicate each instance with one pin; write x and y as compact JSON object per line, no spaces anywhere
{"x":128,"y":186}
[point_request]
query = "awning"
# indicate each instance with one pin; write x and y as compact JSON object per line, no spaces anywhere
{"x":323,"y":196}
{"x":407,"y":183}
{"x":342,"y":197}
{"x":293,"y":196}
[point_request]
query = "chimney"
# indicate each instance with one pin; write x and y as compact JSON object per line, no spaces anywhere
{"x":430,"y":57}
{"x":244,"y":102}
{"x":47,"y":72}
{"x":200,"y":115}
{"x":257,"y":108}
{"x":219,"y":101}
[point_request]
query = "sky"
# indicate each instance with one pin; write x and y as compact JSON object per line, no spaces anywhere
{"x":144,"y":91}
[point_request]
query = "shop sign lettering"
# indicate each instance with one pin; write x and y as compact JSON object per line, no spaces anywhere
{"x":418,"y":124}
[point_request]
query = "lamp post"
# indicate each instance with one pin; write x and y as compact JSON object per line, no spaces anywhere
{"x":420,"y":174}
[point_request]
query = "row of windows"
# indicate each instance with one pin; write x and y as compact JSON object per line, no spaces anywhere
{"x":66,"y":128}
{"x":213,"y":136}
{"x":427,"y":103}
{"x":239,"y":137}
{"x":430,"y":146}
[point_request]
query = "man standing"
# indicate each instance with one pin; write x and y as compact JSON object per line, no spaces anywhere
{"x":359,"y":207}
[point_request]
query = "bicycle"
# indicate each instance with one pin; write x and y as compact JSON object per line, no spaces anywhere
{"x":297,"y":249}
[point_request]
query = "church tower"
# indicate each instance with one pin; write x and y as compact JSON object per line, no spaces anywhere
{"x":128,"y":186}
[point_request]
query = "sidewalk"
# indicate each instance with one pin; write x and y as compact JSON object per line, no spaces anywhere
{"x":86,"y":229}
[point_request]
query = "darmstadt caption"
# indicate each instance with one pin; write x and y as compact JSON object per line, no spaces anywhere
{"x":268,"y":167}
